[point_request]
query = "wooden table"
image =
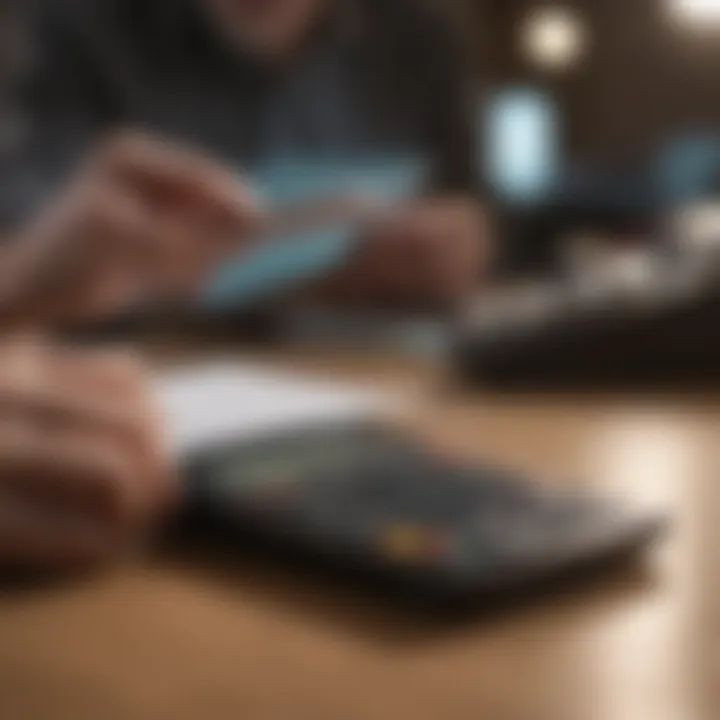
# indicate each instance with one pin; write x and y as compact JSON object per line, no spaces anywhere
{"x":164,"y":639}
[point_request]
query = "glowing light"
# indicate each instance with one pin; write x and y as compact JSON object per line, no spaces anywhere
{"x":696,"y":12}
{"x":554,"y":38}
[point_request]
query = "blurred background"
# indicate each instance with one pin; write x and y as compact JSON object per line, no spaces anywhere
{"x":598,"y":115}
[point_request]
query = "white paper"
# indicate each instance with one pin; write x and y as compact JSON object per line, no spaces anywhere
{"x":206,"y":404}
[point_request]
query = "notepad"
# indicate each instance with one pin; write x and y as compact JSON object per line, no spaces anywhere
{"x":208,"y":404}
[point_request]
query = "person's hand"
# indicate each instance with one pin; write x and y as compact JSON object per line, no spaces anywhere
{"x":142,"y":218}
{"x":430,"y":254}
{"x":82,"y":469}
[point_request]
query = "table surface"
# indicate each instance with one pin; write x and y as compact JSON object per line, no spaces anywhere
{"x":171,"y":638}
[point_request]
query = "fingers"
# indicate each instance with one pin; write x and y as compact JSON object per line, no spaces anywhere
{"x":427,"y":254}
{"x":119,"y":403}
{"x":35,"y":534}
{"x":188,"y":210}
{"x":133,"y":244}
{"x":118,"y":373}
{"x":450,"y":244}
{"x":80,"y":457}
{"x":171,"y":174}
{"x":142,"y":218}
{"x":126,"y":410}
{"x":72,"y":473}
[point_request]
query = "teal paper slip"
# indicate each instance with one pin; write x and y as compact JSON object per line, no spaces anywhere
{"x":285,"y":262}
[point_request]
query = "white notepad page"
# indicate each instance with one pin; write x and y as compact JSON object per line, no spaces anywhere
{"x":215,"y":402}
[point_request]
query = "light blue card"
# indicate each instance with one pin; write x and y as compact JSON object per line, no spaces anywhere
{"x":286,"y":262}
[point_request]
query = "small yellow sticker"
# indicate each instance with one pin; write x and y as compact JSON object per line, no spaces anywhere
{"x":406,"y":542}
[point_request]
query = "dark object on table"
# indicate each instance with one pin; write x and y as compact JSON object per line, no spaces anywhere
{"x":376,"y":506}
{"x":661,"y":329}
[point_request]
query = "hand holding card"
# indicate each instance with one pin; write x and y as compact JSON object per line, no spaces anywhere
{"x":321,"y":208}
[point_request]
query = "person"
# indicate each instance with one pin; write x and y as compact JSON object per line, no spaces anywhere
{"x":250,"y":81}
{"x":83,"y":474}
